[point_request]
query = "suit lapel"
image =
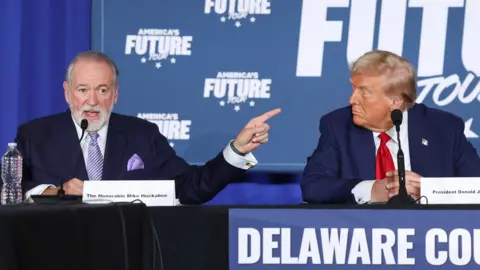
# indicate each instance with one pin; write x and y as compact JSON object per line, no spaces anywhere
{"x":416,"y":134}
{"x":363,"y":152}
{"x":114,"y":149}
{"x":69,"y":150}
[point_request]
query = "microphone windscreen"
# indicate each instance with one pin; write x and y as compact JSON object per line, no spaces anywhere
{"x":84,"y":124}
{"x":397,"y":117}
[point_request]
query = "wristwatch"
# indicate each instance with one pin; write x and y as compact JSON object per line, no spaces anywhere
{"x":236,"y":150}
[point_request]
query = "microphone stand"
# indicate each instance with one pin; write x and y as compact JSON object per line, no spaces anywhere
{"x":402,"y":198}
{"x":61,"y":191}
{"x":60,"y":197}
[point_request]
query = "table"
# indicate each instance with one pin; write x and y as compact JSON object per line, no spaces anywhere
{"x":197,"y":237}
{"x":77,"y":236}
{"x":87,"y":236}
{"x":192,"y":237}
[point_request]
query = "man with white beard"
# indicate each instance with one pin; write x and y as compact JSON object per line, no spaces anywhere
{"x":120,"y":147}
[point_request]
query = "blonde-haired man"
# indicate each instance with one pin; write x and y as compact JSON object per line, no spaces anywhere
{"x":356,"y":157}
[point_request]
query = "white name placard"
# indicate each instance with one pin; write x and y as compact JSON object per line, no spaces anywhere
{"x":152,"y":192}
{"x":454,"y":190}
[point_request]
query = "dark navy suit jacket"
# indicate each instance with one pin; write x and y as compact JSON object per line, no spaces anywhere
{"x":50,"y":147}
{"x":345,"y":154}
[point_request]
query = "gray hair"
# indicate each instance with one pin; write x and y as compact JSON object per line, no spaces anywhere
{"x":94,"y":56}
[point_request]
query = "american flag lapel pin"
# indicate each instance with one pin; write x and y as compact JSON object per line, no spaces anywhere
{"x":424,"y":142}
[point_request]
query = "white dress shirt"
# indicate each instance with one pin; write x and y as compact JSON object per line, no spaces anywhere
{"x":242,"y":162}
{"x":362,"y":191}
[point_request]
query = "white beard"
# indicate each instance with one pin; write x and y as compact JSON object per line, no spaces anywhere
{"x":96,"y":125}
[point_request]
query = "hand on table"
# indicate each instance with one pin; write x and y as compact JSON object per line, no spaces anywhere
{"x":412,"y":183}
{"x":388,"y":187}
{"x":72,"y":187}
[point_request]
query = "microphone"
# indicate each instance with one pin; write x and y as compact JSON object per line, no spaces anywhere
{"x":402,"y":198}
{"x":83,"y":126}
{"x":60,"y":196}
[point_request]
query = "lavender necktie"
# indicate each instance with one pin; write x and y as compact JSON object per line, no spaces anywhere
{"x":95,"y":159}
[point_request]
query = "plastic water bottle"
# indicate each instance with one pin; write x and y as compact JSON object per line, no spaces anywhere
{"x":12,"y":163}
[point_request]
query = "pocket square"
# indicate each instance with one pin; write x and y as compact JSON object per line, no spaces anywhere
{"x":135,"y":163}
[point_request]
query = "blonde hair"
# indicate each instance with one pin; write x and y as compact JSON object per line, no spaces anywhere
{"x":399,"y":74}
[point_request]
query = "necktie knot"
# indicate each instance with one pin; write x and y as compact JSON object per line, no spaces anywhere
{"x":384,"y":137}
{"x":93,"y":137}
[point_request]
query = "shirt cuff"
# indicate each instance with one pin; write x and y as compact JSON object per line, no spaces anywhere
{"x":363,"y":191}
{"x":38,"y":190}
{"x":242,"y":162}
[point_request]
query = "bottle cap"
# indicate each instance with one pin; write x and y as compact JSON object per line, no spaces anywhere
{"x":12,"y":144}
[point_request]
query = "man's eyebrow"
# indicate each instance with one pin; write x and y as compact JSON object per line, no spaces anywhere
{"x":361,"y":86}
{"x":98,"y":86}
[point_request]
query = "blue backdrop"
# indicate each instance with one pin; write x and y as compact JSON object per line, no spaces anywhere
{"x":202,"y":69}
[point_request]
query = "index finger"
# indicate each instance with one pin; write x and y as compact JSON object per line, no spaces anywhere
{"x":264,"y":117}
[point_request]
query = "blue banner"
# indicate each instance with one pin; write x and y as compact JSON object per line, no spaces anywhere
{"x":200,"y":69}
{"x":262,"y":239}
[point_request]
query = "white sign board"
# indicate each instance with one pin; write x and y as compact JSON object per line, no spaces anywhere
{"x":152,"y":193}
{"x":454,"y":190}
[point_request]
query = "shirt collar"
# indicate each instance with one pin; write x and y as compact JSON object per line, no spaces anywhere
{"x":393,"y":132}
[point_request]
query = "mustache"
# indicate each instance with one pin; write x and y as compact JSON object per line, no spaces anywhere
{"x":87,"y":108}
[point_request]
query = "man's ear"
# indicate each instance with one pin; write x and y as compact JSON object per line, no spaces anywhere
{"x":66,"y":92}
{"x":115,"y":94}
{"x":397,"y":103}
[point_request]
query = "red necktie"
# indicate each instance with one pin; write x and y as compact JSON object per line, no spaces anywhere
{"x":384,"y":161}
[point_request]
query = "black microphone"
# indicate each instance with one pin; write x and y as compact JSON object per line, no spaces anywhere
{"x":83,"y":126}
{"x":402,"y":197}
{"x":60,"y":196}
